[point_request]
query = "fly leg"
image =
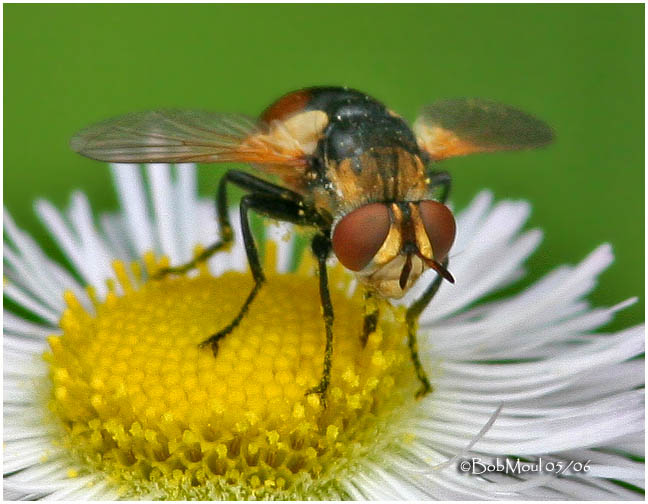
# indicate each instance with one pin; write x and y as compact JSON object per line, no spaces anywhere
{"x":321,"y":246}
{"x":411,"y":317}
{"x":442,"y":179}
{"x":227,"y":236}
{"x":244,"y":181}
{"x":372,"y":312}
{"x":269,"y":206}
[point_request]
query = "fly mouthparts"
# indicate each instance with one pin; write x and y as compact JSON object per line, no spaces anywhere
{"x":440,"y":269}
{"x":407,"y":268}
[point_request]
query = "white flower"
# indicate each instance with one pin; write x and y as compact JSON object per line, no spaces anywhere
{"x":519,"y":379}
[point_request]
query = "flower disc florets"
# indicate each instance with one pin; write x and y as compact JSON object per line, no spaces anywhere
{"x":142,"y":402}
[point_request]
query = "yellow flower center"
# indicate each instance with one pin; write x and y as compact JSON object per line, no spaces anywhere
{"x":140,"y":401}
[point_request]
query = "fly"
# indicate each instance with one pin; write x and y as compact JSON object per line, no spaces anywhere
{"x":348,"y":167}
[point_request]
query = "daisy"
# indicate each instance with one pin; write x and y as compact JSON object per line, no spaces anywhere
{"x":107,"y":395}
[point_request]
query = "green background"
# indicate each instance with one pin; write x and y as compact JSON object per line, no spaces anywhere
{"x":579,"y":67}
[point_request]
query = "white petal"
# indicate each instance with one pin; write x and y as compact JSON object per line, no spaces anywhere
{"x":114,"y":231}
{"x":19,"y":344}
{"x":283,"y":234}
{"x":95,"y":253}
{"x":21,"y":274}
{"x":23,"y":299}
{"x":159,"y":177}
{"x":187,"y":210}
{"x":29,"y":252}
{"x":133,"y":200}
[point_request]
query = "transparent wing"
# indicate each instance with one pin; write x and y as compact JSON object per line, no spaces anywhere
{"x":178,"y":136}
{"x":469,"y":125}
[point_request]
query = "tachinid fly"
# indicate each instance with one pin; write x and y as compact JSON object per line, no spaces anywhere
{"x":349,"y":167}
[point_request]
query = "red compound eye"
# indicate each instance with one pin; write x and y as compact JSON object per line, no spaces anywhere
{"x":439,"y":226}
{"x":360,"y":234}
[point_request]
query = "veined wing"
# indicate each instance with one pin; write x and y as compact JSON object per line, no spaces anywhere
{"x":181,"y":136}
{"x":469,"y":125}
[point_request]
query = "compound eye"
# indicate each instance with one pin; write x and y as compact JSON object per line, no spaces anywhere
{"x":360,"y":234}
{"x":439,"y":226}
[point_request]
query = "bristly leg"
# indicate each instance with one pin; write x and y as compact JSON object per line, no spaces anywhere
{"x":199,"y":259}
{"x":371,"y":314}
{"x":227,"y":236}
{"x":244,"y":181}
{"x":321,"y":247}
{"x":411,"y":316}
{"x":248,"y":201}
{"x":266,"y":199}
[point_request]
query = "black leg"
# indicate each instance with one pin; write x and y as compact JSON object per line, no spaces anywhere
{"x":411,"y":316}
{"x":372,"y":312}
{"x":440,"y":179}
{"x":270,"y":206}
{"x":222,"y":244}
{"x":321,"y":246}
{"x":244,"y":181}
